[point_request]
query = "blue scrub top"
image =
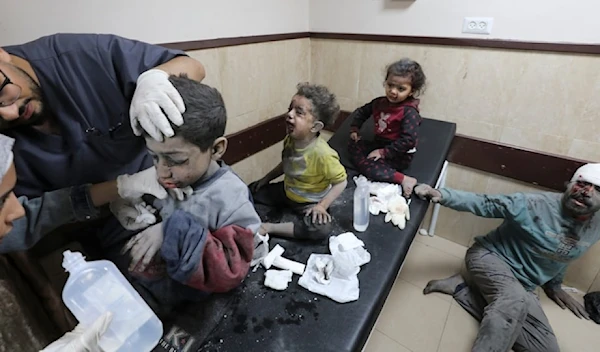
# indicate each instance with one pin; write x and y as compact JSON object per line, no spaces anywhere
{"x":88,"y":82}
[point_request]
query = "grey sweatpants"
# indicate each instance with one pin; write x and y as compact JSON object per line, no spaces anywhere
{"x":510,"y":316}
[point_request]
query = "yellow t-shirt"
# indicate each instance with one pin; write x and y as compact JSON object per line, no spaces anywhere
{"x":310,"y":172}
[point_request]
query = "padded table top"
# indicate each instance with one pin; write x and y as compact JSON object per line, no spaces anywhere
{"x":256,"y":318}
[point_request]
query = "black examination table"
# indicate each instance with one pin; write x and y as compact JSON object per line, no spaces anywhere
{"x":256,"y":318}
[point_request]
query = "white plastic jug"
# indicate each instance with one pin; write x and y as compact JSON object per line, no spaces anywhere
{"x":98,"y":286}
{"x":361,"y":204}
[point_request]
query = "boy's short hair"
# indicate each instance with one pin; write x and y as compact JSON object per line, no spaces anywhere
{"x":205,"y":116}
{"x":325,"y":107}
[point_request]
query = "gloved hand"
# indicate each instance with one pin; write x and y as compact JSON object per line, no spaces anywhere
{"x":136,"y":185}
{"x":181,"y":194}
{"x":426,"y":192}
{"x":564,"y":300}
{"x":82,"y":338}
{"x":398,"y":212}
{"x":154,"y":92}
{"x":144,"y":246}
{"x":133,"y":215}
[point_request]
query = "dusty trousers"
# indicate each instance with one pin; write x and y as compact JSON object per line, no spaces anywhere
{"x":510,"y":316}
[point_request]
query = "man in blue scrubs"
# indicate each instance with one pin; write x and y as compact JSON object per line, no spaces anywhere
{"x":76,"y":104}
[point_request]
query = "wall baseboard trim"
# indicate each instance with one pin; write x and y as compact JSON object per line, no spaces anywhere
{"x":525,"y":165}
{"x":466,"y":42}
{"x":233,"y":41}
{"x":572,"y":48}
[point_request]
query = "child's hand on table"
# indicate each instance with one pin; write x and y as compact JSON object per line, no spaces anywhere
{"x":318,"y":213}
{"x":354,"y":136}
{"x":375,"y":155}
{"x":254,"y":187}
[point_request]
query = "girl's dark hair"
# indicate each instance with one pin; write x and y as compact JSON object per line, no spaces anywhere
{"x":411,"y":69}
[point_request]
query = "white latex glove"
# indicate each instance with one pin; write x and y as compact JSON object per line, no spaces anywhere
{"x":144,"y":246}
{"x":133,"y":215}
{"x":181,"y":194}
{"x":398,"y":212}
{"x":377,"y":206}
{"x":154,"y":92}
{"x":82,"y":338}
{"x":136,"y":185}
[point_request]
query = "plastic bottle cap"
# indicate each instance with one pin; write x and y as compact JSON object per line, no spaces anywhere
{"x":70,"y":259}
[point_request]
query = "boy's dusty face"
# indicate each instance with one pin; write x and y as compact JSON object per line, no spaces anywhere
{"x":300,"y":122}
{"x":178,"y":163}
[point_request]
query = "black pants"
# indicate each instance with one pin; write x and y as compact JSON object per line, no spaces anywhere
{"x":273,"y":195}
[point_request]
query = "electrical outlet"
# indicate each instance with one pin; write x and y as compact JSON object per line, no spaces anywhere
{"x":478,"y":25}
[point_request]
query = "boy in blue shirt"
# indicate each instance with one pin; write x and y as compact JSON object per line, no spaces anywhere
{"x":541,"y":234}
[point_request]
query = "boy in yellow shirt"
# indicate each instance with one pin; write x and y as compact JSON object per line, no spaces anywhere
{"x":314,"y":176}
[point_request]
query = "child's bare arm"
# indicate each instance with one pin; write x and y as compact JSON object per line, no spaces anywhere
{"x":273,"y":174}
{"x":333,"y":193}
{"x":276,"y":172}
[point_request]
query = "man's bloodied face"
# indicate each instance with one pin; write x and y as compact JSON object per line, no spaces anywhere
{"x":581,"y":198}
{"x":21,"y":101}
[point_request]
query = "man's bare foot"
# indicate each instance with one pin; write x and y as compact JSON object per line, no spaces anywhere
{"x":447,"y":286}
{"x":407,"y":185}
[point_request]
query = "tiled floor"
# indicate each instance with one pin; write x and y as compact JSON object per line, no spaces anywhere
{"x":412,"y":322}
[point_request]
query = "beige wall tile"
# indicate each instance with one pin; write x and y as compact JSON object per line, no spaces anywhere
{"x":460,"y":332}
{"x":580,"y":149}
{"x":210,"y":60}
{"x":379,"y":342}
{"x":397,"y":318}
{"x":595,"y":284}
{"x":238,"y":123}
{"x":336,"y":64}
{"x":582,"y":272}
{"x":483,"y":130}
{"x":258,"y":165}
{"x":424,"y":263}
{"x":535,"y":139}
{"x":466,"y":179}
{"x":240,"y":74}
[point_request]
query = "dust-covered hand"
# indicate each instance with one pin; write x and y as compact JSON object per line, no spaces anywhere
{"x":427,"y":192}
{"x":319,"y":214}
{"x":181,"y":194}
{"x":355,"y":136}
{"x":154,"y":94}
{"x":82,"y":338}
{"x":144,"y":246}
{"x":256,"y":186}
{"x":136,"y":185}
{"x":565,"y":300}
{"x":133,"y":215}
{"x":375,"y":155}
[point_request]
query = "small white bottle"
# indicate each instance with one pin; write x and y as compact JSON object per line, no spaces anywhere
{"x":361,"y":204}
{"x":98,"y":286}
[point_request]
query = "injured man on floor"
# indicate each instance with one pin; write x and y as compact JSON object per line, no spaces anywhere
{"x":541,"y":234}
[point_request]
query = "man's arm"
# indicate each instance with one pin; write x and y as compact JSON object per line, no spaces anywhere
{"x":48,"y":212}
{"x":184,"y":65}
{"x":488,"y":206}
